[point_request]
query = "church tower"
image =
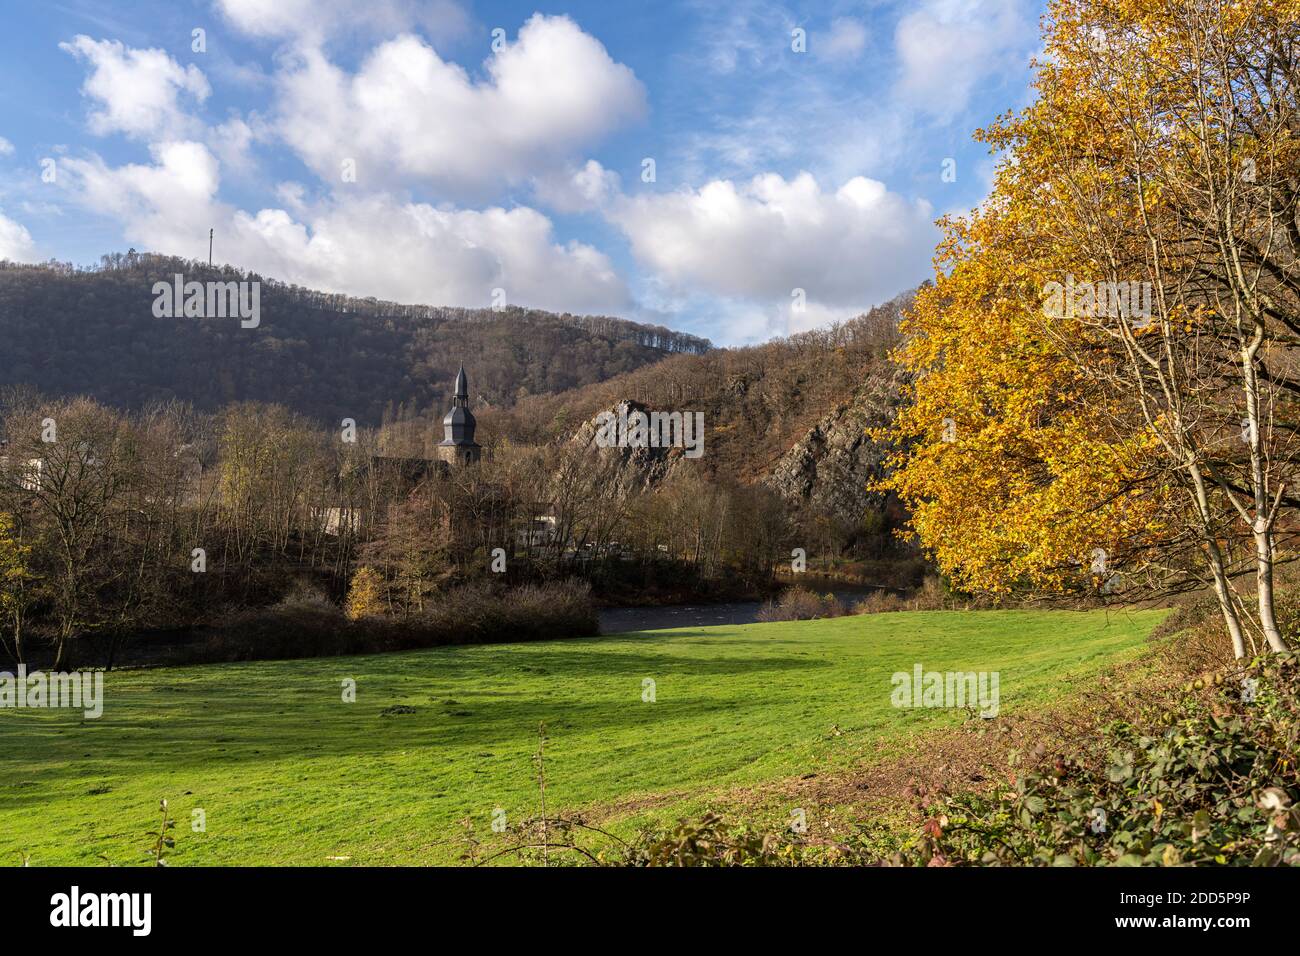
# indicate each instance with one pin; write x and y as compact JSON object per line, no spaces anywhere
{"x":458,"y":446}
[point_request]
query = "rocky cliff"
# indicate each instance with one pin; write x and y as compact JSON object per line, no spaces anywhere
{"x":827,"y":470}
{"x":640,"y":465}
{"x":830,"y":468}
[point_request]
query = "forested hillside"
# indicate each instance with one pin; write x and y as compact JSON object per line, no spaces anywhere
{"x":786,"y":463}
{"x":758,"y":402}
{"x":788,"y":445}
{"x":70,"y":331}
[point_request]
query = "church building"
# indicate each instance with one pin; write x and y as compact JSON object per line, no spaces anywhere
{"x":385,"y":478}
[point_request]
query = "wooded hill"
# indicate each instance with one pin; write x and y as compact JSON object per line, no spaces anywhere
{"x":70,"y":331}
{"x":794,"y":416}
{"x":758,"y":402}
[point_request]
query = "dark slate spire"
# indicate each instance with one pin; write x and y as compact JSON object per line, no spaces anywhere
{"x":461,"y":397}
{"x":458,"y":425}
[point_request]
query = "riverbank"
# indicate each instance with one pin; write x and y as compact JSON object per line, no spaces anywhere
{"x":625,"y":620}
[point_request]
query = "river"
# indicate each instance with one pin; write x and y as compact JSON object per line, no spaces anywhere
{"x":621,"y":620}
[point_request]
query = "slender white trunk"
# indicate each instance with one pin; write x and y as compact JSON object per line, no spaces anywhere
{"x":1224,"y":593}
{"x":1262,"y":523}
{"x":1214,"y":557}
{"x":1264,"y":582}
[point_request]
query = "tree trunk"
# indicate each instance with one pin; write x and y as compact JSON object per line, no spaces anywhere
{"x":18,"y":639}
{"x":1230,"y":617}
{"x":1264,"y":580}
{"x":1214,"y":557}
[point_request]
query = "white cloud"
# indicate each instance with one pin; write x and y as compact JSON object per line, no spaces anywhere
{"x":15,"y":241}
{"x":6,"y":147}
{"x":729,"y":321}
{"x":169,"y":202}
{"x":418,"y":253}
{"x":370,"y":244}
{"x":946,"y":48}
{"x":314,"y":20}
{"x":138,"y":90}
{"x":846,"y":40}
{"x":293,"y":196}
{"x":590,"y":186}
{"x":231,"y":141}
{"x":759,"y":241}
{"x":408,"y":114}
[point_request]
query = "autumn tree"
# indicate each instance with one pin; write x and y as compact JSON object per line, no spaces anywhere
{"x":408,"y":551}
{"x":69,"y":466}
{"x":1104,"y":364}
{"x":365,"y":594}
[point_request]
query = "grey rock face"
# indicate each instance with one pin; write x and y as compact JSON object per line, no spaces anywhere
{"x":644,"y":466}
{"x":828,"y":469}
{"x":831,"y":466}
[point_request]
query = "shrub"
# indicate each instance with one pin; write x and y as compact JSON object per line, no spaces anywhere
{"x":709,"y":842}
{"x":1214,"y":782}
{"x":800,"y":604}
{"x":308,"y":624}
{"x":365,"y":594}
{"x":932,"y":595}
{"x":488,"y":613}
{"x":303,"y":624}
{"x":880,"y":602}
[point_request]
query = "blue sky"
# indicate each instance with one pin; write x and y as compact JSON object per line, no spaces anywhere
{"x":450,"y":151}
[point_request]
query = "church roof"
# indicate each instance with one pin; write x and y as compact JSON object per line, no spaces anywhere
{"x":458,"y":424}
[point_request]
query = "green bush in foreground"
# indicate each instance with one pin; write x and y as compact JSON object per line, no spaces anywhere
{"x":1212,"y":782}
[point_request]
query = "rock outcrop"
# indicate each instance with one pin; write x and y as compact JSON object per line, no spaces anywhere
{"x":830,"y":468}
{"x":645,"y":466}
{"x":827,"y":470}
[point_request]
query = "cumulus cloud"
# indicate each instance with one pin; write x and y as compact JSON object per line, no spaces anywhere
{"x":408,"y":114}
{"x":588,"y":187}
{"x":232,"y":141}
{"x":371,"y":244}
{"x":415,"y":125}
{"x":946,"y":48}
{"x":6,"y":147}
{"x":15,"y":241}
{"x":138,"y":91}
{"x":315,"y":20}
{"x":168,"y":201}
{"x":418,"y":253}
{"x":732,"y":321}
{"x":759,"y":241}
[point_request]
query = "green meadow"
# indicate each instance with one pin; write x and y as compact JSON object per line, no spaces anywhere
{"x":286,"y":772}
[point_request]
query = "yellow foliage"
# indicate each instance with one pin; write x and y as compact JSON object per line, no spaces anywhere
{"x":365,"y":594}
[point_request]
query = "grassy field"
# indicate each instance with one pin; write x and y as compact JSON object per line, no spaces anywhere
{"x":287,"y":773}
